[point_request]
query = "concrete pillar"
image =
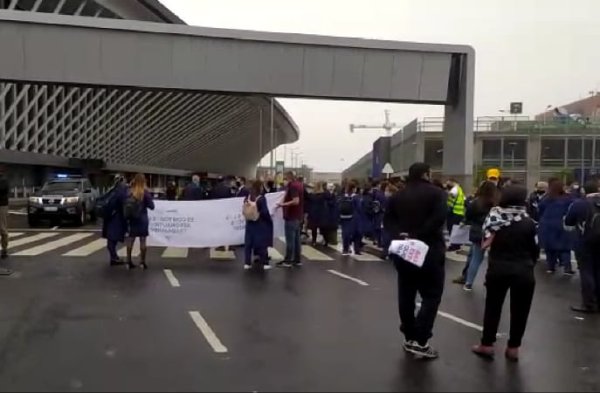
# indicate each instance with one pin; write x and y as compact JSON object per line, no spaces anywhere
{"x":458,"y":121}
{"x":534,"y":156}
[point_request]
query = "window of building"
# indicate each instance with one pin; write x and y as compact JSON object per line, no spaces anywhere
{"x":579,"y":152}
{"x":515,"y":153}
{"x":434,"y":152}
{"x":491,"y":152}
{"x":553,"y":152}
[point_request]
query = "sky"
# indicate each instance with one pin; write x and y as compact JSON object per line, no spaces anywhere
{"x":539,"y":52}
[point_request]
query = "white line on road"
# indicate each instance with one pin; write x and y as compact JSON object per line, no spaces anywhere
{"x":55,"y":228}
{"x":342,"y":275}
{"x":173,"y":252}
{"x":32,"y":239}
{"x":14,"y":234}
{"x":208,"y":333}
{"x":65,"y":241}
{"x":171,"y":277}
{"x":87,"y":249}
{"x":460,"y":320}
{"x":17,"y":213}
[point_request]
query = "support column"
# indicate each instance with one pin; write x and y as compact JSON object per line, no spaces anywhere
{"x":458,"y":121}
{"x":534,"y":157}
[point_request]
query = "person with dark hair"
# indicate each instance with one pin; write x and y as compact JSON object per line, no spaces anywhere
{"x":242,"y":191}
{"x":554,"y":239}
{"x":533,"y":202}
{"x":223,"y":189}
{"x":418,"y":212}
{"x":293,"y":214}
{"x":584,"y":217}
{"x":259,"y":226}
{"x":510,"y":234}
{"x":350,"y":210}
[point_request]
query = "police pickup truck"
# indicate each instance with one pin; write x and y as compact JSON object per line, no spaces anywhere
{"x":63,"y":198}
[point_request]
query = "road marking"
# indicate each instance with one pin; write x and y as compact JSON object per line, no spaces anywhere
{"x":208,"y":333}
{"x":32,"y":239}
{"x":17,"y":213}
{"x":87,"y":249}
{"x":342,"y":275}
{"x":313,"y":254}
{"x":275,"y":255}
{"x":55,"y":228}
{"x":93,"y":230}
{"x":458,"y":320}
{"x":65,"y":241}
{"x":171,"y":277}
{"x":363,"y":257}
{"x":135,"y":252}
{"x":453,"y":256}
{"x":14,"y":234}
{"x":174,"y":252}
{"x":222,"y":255}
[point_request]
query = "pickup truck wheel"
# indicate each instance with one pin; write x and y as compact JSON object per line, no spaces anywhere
{"x":81,"y":216}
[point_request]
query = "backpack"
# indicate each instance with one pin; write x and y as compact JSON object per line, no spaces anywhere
{"x":250,"y":210}
{"x":132,"y":209}
{"x":346,"y":207}
{"x":371,"y":206}
{"x":592,"y":224}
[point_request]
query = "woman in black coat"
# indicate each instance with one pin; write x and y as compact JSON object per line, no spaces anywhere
{"x":320,"y":205}
{"x":511,"y":236}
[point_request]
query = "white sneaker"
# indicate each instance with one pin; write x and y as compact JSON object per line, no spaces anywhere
{"x":247,"y":267}
{"x":267,"y":267}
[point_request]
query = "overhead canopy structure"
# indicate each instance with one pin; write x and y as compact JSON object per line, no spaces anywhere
{"x":107,"y":53}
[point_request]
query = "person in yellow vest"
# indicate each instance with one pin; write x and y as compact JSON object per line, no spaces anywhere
{"x":456,"y":208}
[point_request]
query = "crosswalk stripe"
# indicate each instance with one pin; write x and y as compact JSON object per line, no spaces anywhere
{"x":32,"y":239}
{"x":14,"y":234}
{"x":174,"y":252}
{"x":363,"y":257}
{"x":135,"y":252}
{"x":222,"y":255}
{"x":87,"y":249}
{"x":65,"y":241}
{"x":275,"y":255}
{"x":313,"y":254}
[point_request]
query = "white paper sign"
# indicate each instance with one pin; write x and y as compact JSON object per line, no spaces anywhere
{"x":460,"y":234}
{"x":411,"y":250}
{"x":202,"y":224}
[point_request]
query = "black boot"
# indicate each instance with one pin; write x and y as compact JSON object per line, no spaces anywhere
{"x":143,"y":259}
{"x":4,"y":254}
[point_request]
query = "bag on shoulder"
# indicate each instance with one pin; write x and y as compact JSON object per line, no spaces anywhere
{"x":592,"y":224}
{"x":132,"y":209}
{"x":250,"y":210}
{"x":346,"y":207}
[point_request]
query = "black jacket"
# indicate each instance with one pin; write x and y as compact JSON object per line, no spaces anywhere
{"x":3,"y":191}
{"x":514,"y":248}
{"x":475,"y":216}
{"x":420,"y":211}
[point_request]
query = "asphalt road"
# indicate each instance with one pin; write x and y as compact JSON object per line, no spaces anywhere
{"x":192,"y":322}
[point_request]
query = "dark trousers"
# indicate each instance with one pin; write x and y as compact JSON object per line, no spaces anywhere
{"x":350,"y":235}
{"x":522,"y":286}
{"x":111,"y":246}
{"x":261,"y":252}
{"x":588,"y":261}
{"x":293,"y":246}
{"x":428,"y":281}
{"x":562,"y":258}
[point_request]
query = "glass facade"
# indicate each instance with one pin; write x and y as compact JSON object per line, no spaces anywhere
{"x":491,"y":152}
{"x":553,"y":152}
{"x":434,"y":152}
{"x":514,"y":153}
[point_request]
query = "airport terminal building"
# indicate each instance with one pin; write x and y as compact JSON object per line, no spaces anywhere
{"x":524,"y":149}
{"x":47,"y":128}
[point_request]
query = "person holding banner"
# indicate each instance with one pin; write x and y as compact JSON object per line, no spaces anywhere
{"x":419,"y":212}
{"x":259,"y":227}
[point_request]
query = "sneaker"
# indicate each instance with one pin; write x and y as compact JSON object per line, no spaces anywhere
{"x":297,"y":264}
{"x":284,"y":264}
{"x":459,"y":280}
{"x":117,"y":262}
{"x":247,"y":267}
{"x":409,"y":345}
{"x":267,"y":267}
{"x":585,"y":309}
{"x":569,"y":273}
{"x":424,"y":352}
{"x":484,"y":351}
{"x":346,"y":253}
{"x":468,"y":287}
{"x":550,"y":271}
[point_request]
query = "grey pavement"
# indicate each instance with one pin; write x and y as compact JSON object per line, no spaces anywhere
{"x":75,"y":324}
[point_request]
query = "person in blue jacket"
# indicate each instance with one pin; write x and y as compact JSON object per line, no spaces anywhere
{"x":319,"y":212}
{"x":582,"y":218}
{"x":114,"y":225}
{"x":193,"y":191}
{"x":377,"y":207}
{"x":351,"y":216}
{"x":556,"y":241}
{"x":259,"y":234}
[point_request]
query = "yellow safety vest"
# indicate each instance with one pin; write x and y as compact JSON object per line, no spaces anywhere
{"x":457,"y":204}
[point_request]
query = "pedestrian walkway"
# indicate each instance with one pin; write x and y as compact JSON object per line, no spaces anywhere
{"x":73,"y":245}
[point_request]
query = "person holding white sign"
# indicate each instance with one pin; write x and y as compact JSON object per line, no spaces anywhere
{"x":419,"y":212}
{"x":259,"y":226}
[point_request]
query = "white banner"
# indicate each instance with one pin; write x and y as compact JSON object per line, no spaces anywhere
{"x":201,"y":224}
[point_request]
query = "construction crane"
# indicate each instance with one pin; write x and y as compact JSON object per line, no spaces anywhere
{"x":387,"y":126}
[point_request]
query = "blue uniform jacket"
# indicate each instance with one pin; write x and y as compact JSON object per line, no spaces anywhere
{"x":578,"y":214}
{"x":552,"y":234}
{"x":114,"y":225}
